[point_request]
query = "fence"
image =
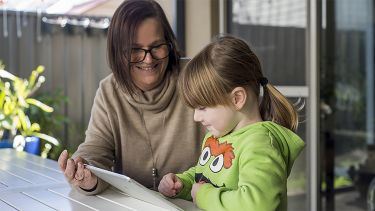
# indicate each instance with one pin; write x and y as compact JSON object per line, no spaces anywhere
{"x":73,"y":50}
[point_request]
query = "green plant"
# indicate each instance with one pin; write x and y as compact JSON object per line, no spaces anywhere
{"x":15,"y":100}
{"x":52,"y":124}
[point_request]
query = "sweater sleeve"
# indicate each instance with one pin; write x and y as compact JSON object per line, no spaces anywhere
{"x":98,"y":148}
{"x":261,"y":184}
{"x":188,"y":179}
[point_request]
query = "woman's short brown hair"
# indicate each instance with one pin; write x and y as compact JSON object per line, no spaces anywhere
{"x":122,"y":32}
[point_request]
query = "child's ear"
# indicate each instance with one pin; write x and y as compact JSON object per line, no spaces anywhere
{"x":239,"y":96}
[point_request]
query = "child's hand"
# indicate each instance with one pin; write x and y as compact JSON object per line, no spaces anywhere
{"x":170,"y":185}
{"x":194,"y":190}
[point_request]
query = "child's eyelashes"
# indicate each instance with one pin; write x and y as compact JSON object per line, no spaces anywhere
{"x":201,"y":108}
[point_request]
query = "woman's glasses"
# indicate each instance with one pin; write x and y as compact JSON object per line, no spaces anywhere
{"x":157,"y":52}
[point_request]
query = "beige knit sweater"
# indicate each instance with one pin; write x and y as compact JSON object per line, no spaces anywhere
{"x":131,"y":135}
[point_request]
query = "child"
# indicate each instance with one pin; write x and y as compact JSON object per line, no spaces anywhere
{"x":250,"y":148}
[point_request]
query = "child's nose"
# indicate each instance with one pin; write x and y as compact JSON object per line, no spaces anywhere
{"x":197,"y":117}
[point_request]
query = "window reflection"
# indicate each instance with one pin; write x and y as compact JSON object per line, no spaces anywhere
{"x":277,"y":32}
{"x":347,"y":89}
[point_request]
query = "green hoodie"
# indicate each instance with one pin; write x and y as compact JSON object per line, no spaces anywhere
{"x":244,"y":170}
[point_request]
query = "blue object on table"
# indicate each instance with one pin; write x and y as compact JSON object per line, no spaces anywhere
{"x":32,"y":145}
{"x":5,"y":143}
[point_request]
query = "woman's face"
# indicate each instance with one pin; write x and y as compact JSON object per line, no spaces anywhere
{"x":148,"y":73}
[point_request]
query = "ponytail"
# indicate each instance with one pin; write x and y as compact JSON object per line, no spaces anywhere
{"x":277,"y":108}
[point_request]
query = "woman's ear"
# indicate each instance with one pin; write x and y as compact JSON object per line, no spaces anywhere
{"x":239,"y":96}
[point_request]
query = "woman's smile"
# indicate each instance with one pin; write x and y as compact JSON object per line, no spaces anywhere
{"x":148,"y":68}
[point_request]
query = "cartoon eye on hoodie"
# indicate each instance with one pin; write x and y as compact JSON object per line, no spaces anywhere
{"x":222,"y":157}
{"x":222,"y":153}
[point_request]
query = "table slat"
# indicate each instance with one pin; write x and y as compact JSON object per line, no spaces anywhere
{"x":34,"y":167}
{"x":20,"y":201}
{"x":26,"y":174}
{"x":10,"y":153}
{"x":56,"y":201}
{"x":116,"y":196}
{"x":92,"y":201}
{"x":5,"y":207}
{"x":12,"y":181}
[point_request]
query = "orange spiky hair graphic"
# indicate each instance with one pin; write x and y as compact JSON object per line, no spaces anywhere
{"x":218,"y":149}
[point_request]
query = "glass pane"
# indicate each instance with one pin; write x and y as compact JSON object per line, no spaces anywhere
{"x":275,"y":29}
{"x":276,"y":32}
{"x":347,"y":104}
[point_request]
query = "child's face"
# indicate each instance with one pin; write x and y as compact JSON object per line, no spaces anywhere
{"x":219,"y":120}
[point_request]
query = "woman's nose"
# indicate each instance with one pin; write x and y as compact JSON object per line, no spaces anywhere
{"x":148,"y":58}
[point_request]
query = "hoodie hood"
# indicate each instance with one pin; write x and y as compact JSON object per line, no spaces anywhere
{"x":290,"y":143}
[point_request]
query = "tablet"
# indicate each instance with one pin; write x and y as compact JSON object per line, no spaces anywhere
{"x":133,"y":188}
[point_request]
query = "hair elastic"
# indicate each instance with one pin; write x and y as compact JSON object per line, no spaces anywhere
{"x":263,"y":81}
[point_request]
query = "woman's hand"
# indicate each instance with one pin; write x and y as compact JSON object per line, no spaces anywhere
{"x":194,"y":190}
{"x":76,"y":173}
{"x":170,"y":185}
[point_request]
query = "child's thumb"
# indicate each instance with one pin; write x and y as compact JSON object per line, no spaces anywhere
{"x":178,"y":185}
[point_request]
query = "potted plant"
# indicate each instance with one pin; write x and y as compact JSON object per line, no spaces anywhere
{"x":15,"y":100}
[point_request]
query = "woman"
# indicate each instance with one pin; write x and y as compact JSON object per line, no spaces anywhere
{"x":138,"y":126}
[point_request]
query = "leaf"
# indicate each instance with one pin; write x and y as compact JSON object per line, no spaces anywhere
{"x":34,"y":74}
{"x":7,"y":75}
{"x":2,"y":96}
{"x":40,"y":69}
{"x":6,"y":124}
{"x":8,"y":106}
{"x":22,"y":102}
{"x":35,"y":127}
{"x":25,"y":122}
{"x":39,"y":104}
{"x":47,"y":138}
{"x":20,"y":88}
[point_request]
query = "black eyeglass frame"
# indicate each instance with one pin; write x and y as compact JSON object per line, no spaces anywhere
{"x":146,"y":51}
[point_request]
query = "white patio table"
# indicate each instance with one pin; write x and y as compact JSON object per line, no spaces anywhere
{"x":29,"y":182}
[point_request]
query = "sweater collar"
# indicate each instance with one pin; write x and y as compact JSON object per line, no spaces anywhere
{"x":158,"y":98}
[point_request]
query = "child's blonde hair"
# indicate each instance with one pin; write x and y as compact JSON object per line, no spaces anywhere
{"x":224,"y":64}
